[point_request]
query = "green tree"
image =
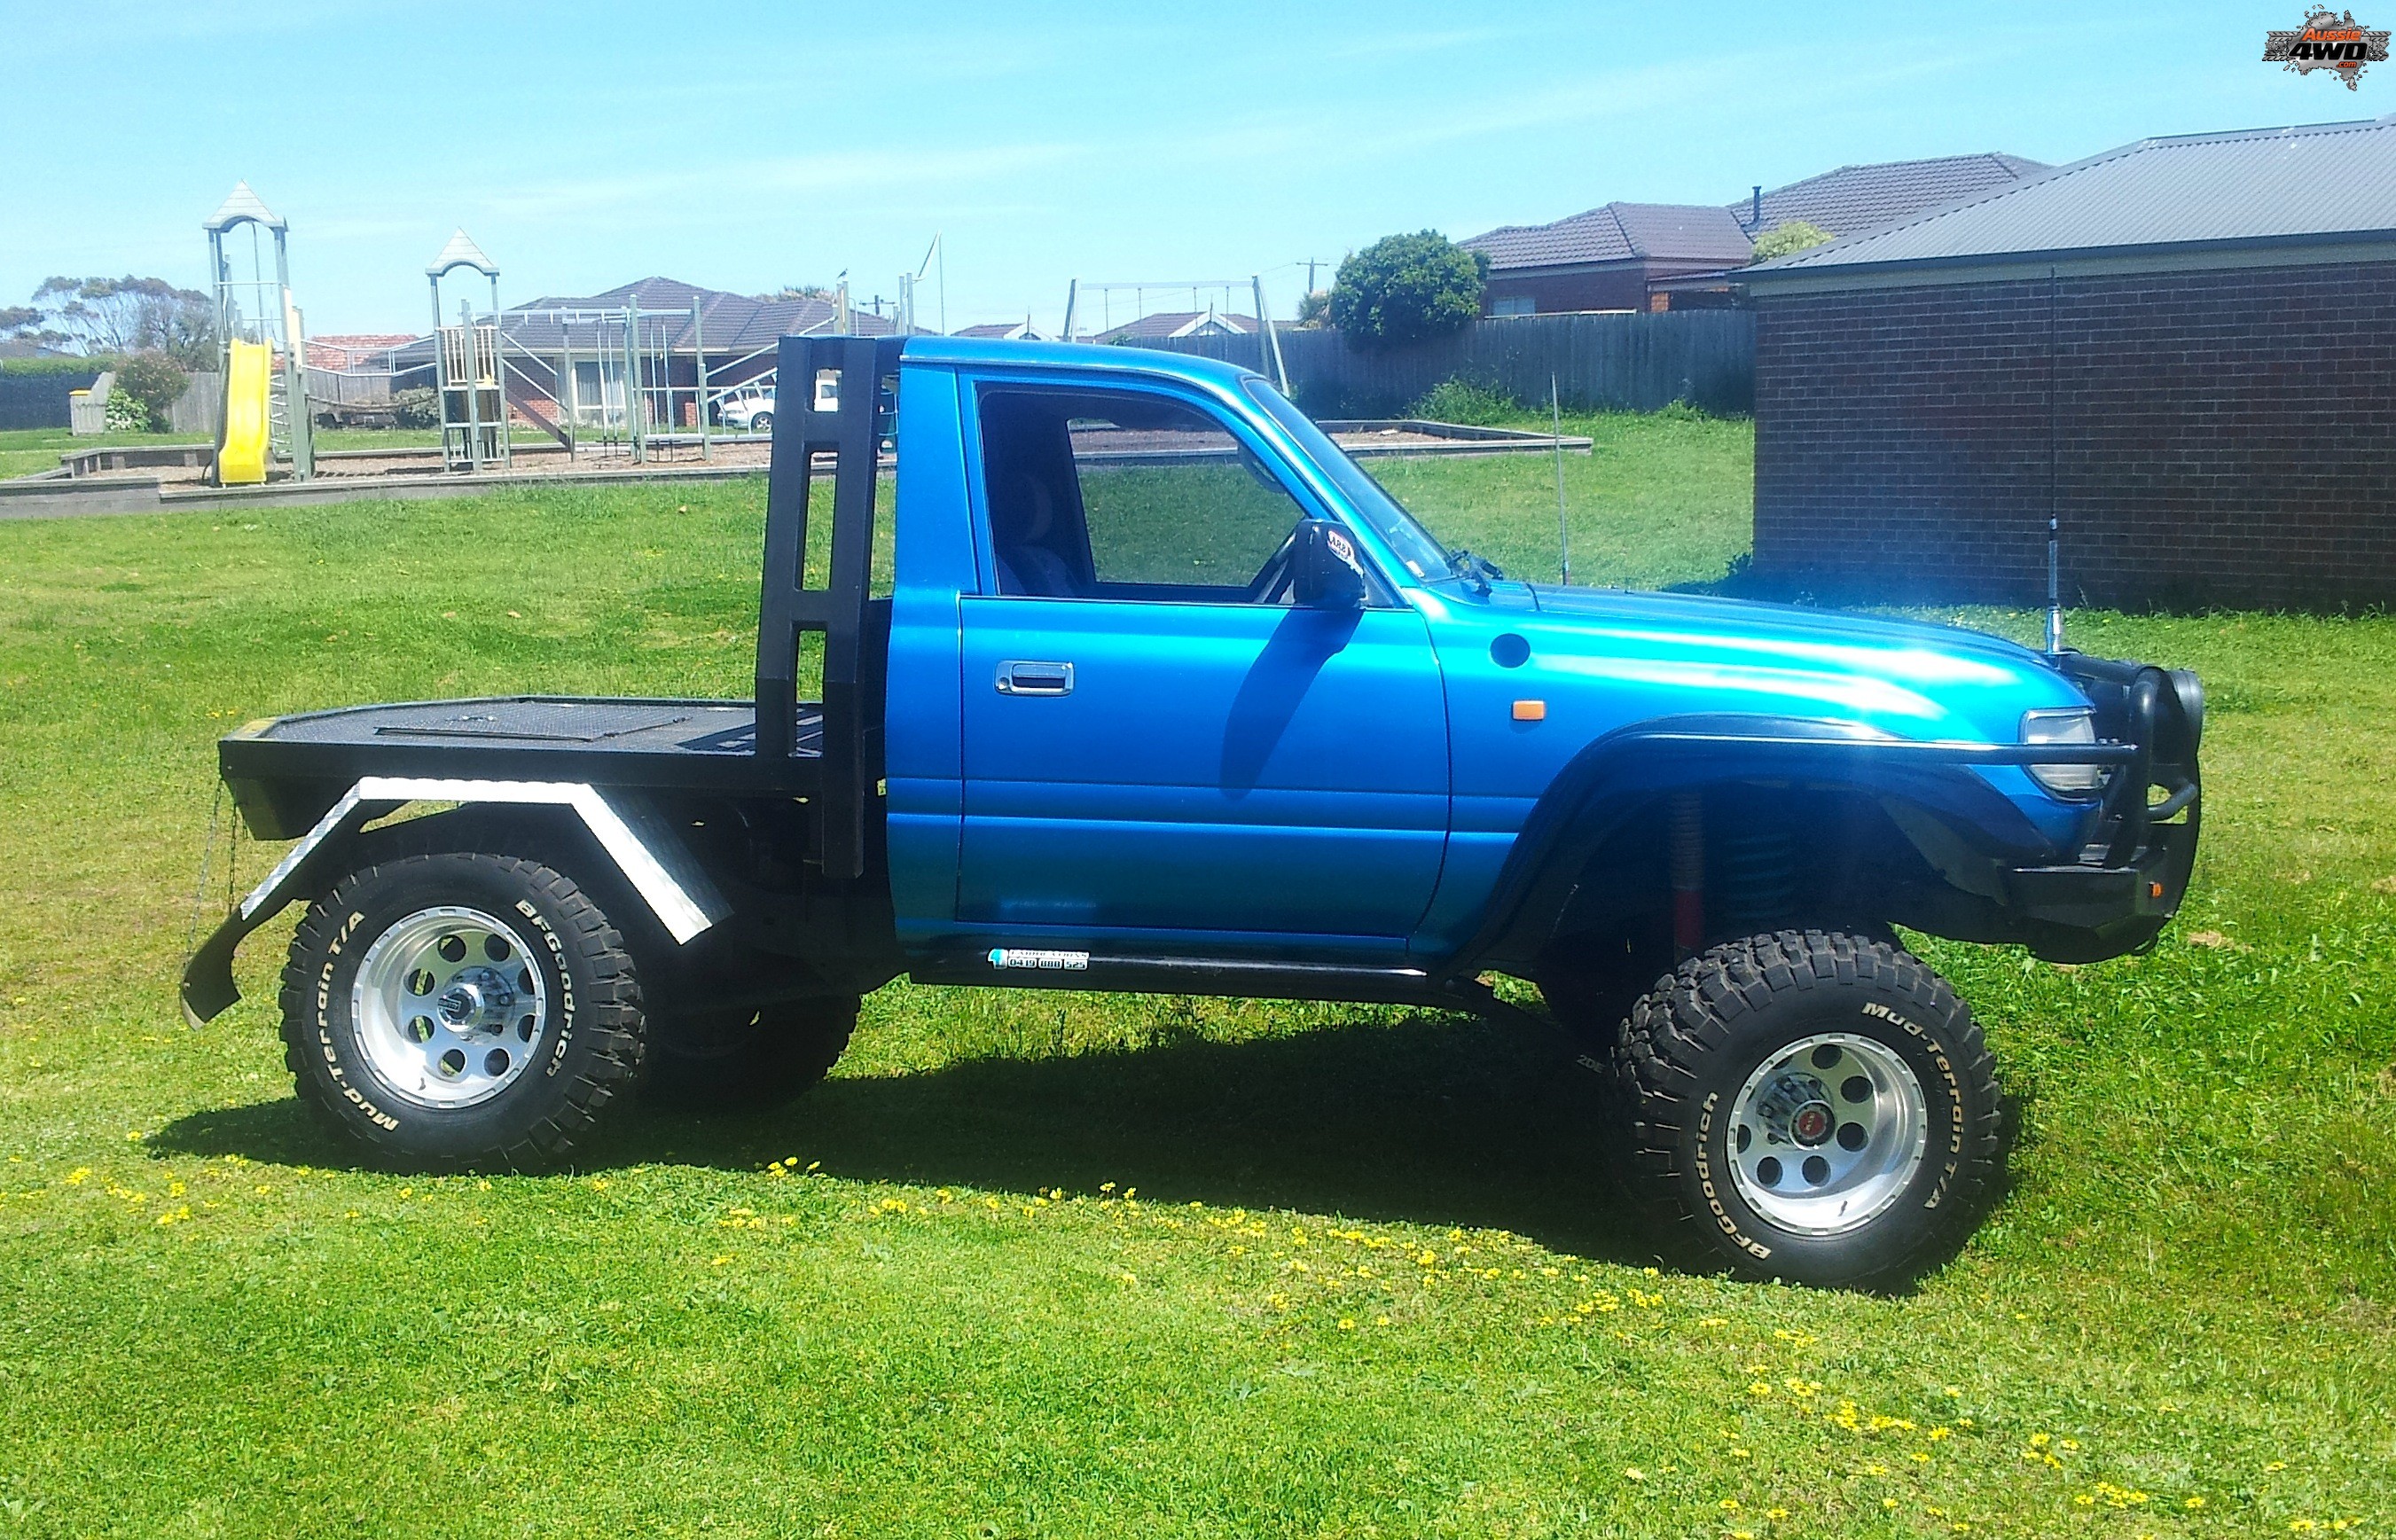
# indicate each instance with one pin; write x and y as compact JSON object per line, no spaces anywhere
{"x":1403,"y":289}
{"x":129,"y":314}
{"x":1788,"y":236}
{"x":155,"y":381}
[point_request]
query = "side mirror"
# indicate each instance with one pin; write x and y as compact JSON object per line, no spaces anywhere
{"x":1327,"y":574}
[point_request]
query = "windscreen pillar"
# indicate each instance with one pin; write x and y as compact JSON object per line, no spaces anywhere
{"x":829,"y":396}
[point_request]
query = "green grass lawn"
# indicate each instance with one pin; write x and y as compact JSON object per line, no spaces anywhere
{"x":1047,"y":1265}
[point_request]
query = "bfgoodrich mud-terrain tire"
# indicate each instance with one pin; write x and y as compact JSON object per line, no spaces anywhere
{"x":453,"y":1009}
{"x":1809,"y":1106}
{"x":751,"y":1058}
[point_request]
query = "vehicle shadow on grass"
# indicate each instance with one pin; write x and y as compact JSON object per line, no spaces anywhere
{"x":1428,"y":1120}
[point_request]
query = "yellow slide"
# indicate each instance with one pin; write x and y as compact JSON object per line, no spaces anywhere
{"x":242,"y":446}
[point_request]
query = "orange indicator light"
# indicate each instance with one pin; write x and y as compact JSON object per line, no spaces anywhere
{"x":1530,"y":710}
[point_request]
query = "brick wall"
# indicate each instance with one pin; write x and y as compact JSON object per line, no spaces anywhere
{"x":2221,"y":437}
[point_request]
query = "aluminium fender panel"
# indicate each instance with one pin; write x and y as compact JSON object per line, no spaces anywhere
{"x":645,"y":850}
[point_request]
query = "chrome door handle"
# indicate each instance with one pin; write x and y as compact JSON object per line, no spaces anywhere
{"x":1020,"y":676}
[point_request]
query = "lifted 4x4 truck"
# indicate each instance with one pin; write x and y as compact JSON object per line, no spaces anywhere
{"x":1168,"y":694}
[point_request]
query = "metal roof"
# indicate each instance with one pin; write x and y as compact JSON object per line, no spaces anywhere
{"x":1856,"y":198}
{"x":242,"y":204}
{"x":2187,"y":196}
{"x":1620,"y":232}
{"x":462,"y":252}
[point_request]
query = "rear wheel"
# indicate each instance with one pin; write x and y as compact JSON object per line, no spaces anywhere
{"x":1810,"y":1106}
{"x":461,"y":1009}
{"x":748,"y":1058}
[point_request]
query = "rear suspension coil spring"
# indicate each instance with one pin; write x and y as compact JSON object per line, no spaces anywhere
{"x":1753,"y":884}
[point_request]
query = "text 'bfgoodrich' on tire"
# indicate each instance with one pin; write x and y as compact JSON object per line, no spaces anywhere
{"x":461,"y":1009}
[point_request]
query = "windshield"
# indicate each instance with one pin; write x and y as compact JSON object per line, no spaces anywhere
{"x":1424,"y":556}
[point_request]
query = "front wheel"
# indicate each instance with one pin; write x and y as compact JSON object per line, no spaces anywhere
{"x":762,"y":423}
{"x":461,"y":1009}
{"x":1809,"y":1106}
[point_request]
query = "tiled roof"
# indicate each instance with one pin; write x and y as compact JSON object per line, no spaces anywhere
{"x":348,"y":349}
{"x":1178,"y":324}
{"x":1013,"y":331}
{"x":1856,"y":198}
{"x":2311,"y":183}
{"x":1620,"y":232}
{"x":729,"y":323}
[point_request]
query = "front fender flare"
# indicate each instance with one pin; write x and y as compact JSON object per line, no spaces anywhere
{"x":1606,"y":784}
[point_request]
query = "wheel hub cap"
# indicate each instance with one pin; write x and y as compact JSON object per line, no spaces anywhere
{"x":448,"y":1007}
{"x":1828,"y":1133}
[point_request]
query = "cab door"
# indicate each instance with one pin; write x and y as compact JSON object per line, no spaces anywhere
{"x":1159,"y":748}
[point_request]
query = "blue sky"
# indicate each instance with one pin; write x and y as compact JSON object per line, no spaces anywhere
{"x":749,"y":145}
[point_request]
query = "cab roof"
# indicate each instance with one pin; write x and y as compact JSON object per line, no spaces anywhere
{"x":984,"y":352}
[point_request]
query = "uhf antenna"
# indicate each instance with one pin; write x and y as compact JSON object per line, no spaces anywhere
{"x":1564,"y":537}
{"x":2054,"y":583}
{"x":2053,"y":496}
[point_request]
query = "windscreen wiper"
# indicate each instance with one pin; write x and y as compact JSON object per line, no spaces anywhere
{"x":1477,"y":570}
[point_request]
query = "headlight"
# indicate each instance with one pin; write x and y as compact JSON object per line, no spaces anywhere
{"x":2064,"y":725}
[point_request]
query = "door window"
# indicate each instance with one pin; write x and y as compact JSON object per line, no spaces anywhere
{"x":1121,"y":495}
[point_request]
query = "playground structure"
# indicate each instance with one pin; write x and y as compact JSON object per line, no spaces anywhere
{"x":1213,"y":307}
{"x":261,"y":341}
{"x":625,"y":382}
{"x":467,"y":369}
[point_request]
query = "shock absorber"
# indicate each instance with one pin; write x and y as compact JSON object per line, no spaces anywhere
{"x":1685,"y":836}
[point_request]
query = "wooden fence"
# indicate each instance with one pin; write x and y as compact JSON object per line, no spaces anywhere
{"x":1623,"y":361}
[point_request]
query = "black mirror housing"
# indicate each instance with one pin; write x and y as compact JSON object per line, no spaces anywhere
{"x":1329,"y":574}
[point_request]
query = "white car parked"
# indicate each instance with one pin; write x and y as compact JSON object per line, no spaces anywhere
{"x":750,"y":409}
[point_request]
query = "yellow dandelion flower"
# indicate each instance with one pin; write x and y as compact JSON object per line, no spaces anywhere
{"x":75,"y":1178}
{"x":1380,"y":1320}
{"x":1728,"y":1504}
{"x":2039,"y":1441}
{"x":1776,"y":1513}
{"x":2193,"y":1503}
{"x":1347,"y":1324}
{"x":1889,"y":1502}
{"x":2276,"y":1464}
{"x":1632,"y":1473}
{"x":1938,"y":1433}
{"x":718,"y":1262}
{"x":1758,"y":1388}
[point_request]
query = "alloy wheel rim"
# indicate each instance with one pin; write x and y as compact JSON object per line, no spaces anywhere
{"x":1827,"y":1133}
{"x":449,"y":1007}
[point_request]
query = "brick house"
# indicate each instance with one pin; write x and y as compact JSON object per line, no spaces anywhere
{"x":2184,"y":349}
